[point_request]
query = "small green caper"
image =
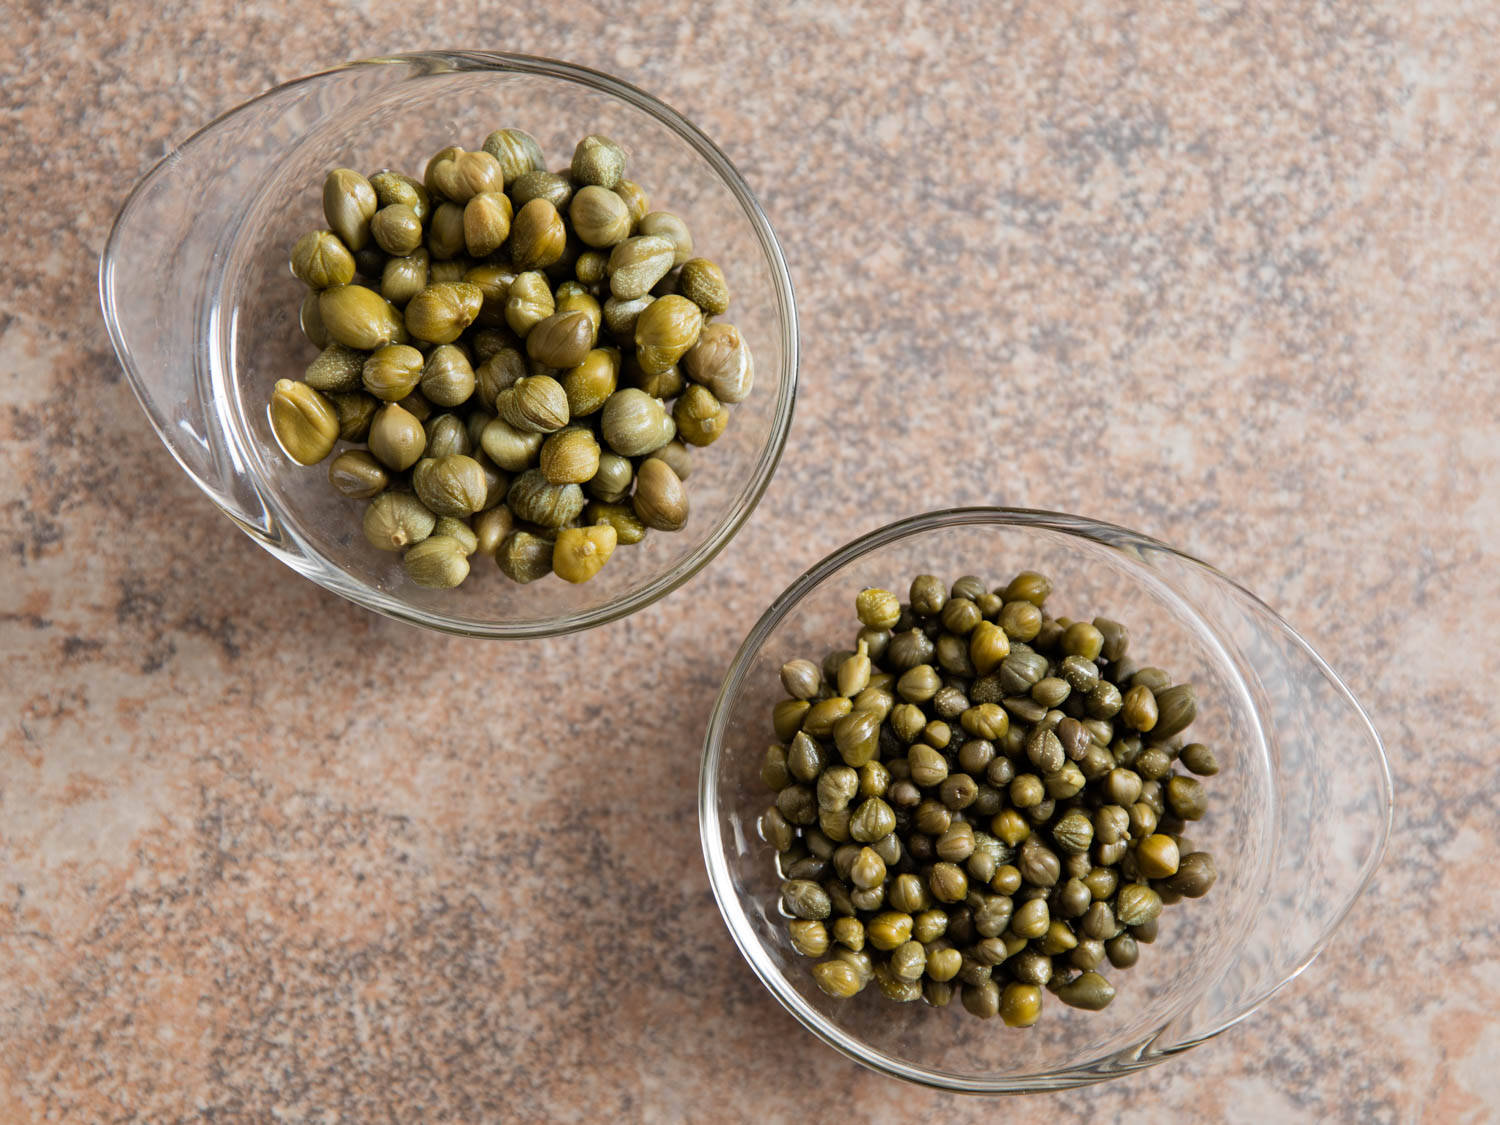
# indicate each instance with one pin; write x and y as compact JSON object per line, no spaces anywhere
{"x":1200,"y":759}
{"x":396,"y":230}
{"x":1136,"y":904}
{"x":700,"y":417}
{"x":598,"y":160}
{"x":459,"y":176}
{"x":664,"y":224}
{"x":524,"y":557}
{"x":320,"y":260}
{"x":536,"y":500}
{"x":600,"y":217}
{"x":612,"y":480}
{"x":1186,"y":797}
{"x":337,"y":368}
{"x":349,"y":203}
{"x":537,"y":236}
{"x":570,"y":456}
{"x":541,"y":184}
{"x":660,"y":500}
{"x":396,"y":520}
{"x":360,"y":318}
{"x":637,"y":264}
{"x":702,"y":282}
{"x":802,"y":898}
{"x":837,"y":978}
{"x":357,"y":475}
{"x":440,"y":313}
{"x":396,"y":437}
{"x":355,"y":410}
{"x":809,"y":937}
{"x":445,"y":235}
{"x":304,"y":422}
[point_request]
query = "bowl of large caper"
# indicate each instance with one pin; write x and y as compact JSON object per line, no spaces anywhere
{"x":998,"y":800}
{"x":488,"y":343}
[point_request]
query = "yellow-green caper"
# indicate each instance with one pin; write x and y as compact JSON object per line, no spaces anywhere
{"x":541,"y":184}
{"x":590,"y":383}
{"x":458,"y":530}
{"x":634,"y":424}
{"x":537,"y":236}
{"x":494,"y":283}
{"x":490,"y":529}
{"x":357,"y":475}
{"x":570,"y":456}
{"x":702,"y":282}
{"x":450,"y":486}
{"x":310,"y":320}
{"x":304,"y":422}
{"x":700,"y":417}
{"x":396,"y":437}
{"x":355,"y":410}
{"x":600,"y":217}
{"x":440,"y":313}
{"x":637,"y":264}
{"x":524,"y":557}
{"x":621,"y":314}
{"x":446,"y":435}
{"x":528,"y":303}
{"x":447,"y":377}
{"x":598,"y":160}
{"x":561,"y":340}
{"x":677,"y":457}
{"x":581,"y":552}
{"x":720,"y":361}
{"x":664,"y":224}
{"x":536,"y":402}
{"x":439,"y":562}
{"x":337,"y":368}
{"x":401,"y":279}
{"x":349,"y":203}
{"x":635,"y":198}
{"x":591,"y":267}
{"x":498,"y":372}
{"x":459,"y":176}
{"x":360,"y":318}
{"x":514,"y":450}
{"x":396,"y":520}
{"x":445,"y":233}
{"x":396,"y":230}
{"x":660,"y":500}
{"x":487,"y":219}
{"x":665,"y":330}
{"x":517,"y":152}
{"x":628,"y":526}
{"x":392,"y":372}
{"x":320,"y":259}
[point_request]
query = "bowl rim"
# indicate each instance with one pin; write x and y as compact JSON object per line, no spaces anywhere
{"x":1130,"y":1059}
{"x":312,"y":563}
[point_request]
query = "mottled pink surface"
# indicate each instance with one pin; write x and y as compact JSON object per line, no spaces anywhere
{"x":1221,"y":272}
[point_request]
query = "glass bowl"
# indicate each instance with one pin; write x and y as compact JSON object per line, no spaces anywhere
{"x":202,"y":309}
{"x":1298,"y":812}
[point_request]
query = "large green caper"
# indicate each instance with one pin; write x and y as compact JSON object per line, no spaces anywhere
{"x":524,"y":557}
{"x":447,"y":377}
{"x":392,"y":372}
{"x":487,"y":219}
{"x":320,"y":259}
{"x":537,"y":236}
{"x":535,"y":499}
{"x":637,"y":264}
{"x":561,"y":340}
{"x":528,"y":303}
{"x":600,"y":217}
{"x":665,"y":330}
{"x":303,"y":421}
{"x":450,"y":486}
{"x":720,"y":360}
{"x":396,"y":520}
{"x":401,"y":279}
{"x":360,"y":318}
{"x":396,"y":437}
{"x":660,"y":500}
{"x":536,"y":402}
{"x":516,"y":152}
{"x":396,"y":230}
{"x":570,"y":456}
{"x":598,"y":160}
{"x":459,"y":176}
{"x":634,"y":424}
{"x":440,"y":313}
{"x":349,"y":204}
{"x":591,"y":381}
{"x":514,"y":450}
{"x":439,"y":562}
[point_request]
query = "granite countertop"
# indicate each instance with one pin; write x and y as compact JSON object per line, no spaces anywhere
{"x":1224,"y":272}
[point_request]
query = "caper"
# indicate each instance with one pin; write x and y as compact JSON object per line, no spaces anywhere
{"x":304,"y":422}
{"x":349,"y":203}
{"x":637,"y":264}
{"x":581,"y":552}
{"x":628,"y":527}
{"x":699,"y":416}
{"x":541,"y":184}
{"x":528,"y":303}
{"x":537,"y":236}
{"x":633,"y":423}
{"x":515,"y":151}
{"x":438,"y":562}
{"x":665,"y":330}
{"x":445,"y":237}
{"x":535,"y":403}
{"x":396,"y":437}
{"x":310,"y":320}
{"x":355,"y":410}
{"x":337,"y":368}
{"x":1200,"y":759}
{"x":397,"y":520}
{"x":450,"y":486}
{"x":837,"y":978}
{"x":392,"y":372}
{"x":622,"y":314}
{"x":598,"y":160}
{"x":563,"y":339}
{"x":360,"y":318}
{"x":512,"y":449}
{"x":524,"y":556}
{"x":536,"y":500}
{"x":1196,"y":875}
{"x":320,"y":260}
{"x":440,"y":313}
{"x":392,"y":188}
{"x":664,"y":224}
{"x":1186,"y":798}
{"x":401,"y":279}
{"x":357,"y":475}
{"x":490,"y":529}
{"x":702,"y":282}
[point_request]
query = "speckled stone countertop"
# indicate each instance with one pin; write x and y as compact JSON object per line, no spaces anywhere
{"x":1223,"y":272}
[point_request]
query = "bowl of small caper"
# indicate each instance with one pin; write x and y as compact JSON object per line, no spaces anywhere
{"x":488,"y":343}
{"x":997,"y":800}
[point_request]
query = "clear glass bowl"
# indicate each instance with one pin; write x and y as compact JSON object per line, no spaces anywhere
{"x":202,"y":309}
{"x":1298,"y":815}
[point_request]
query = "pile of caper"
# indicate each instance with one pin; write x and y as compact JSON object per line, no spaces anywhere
{"x":526,"y":357}
{"x":981,"y":798}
